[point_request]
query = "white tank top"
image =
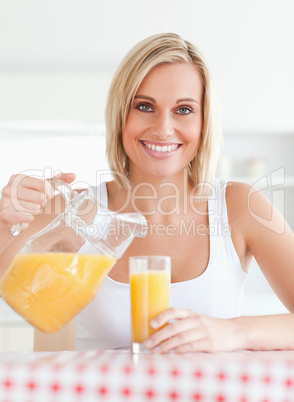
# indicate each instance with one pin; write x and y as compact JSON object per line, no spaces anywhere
{"x":218,"y":292}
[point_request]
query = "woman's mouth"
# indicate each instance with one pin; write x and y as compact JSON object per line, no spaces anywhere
{"x":155,"y":149}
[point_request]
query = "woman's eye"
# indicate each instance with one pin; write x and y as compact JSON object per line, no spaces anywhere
{"x":144,"y":108}
{"x":184,"y":110}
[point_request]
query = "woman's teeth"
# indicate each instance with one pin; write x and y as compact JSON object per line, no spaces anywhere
{"x":158,"y":148}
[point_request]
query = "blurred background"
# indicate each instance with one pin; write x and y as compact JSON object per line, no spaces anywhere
{"x":57,"y":58}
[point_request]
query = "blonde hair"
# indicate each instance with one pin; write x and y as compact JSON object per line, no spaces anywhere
{"x":138,"y":62}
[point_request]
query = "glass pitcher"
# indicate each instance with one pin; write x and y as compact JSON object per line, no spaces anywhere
{"x":60,"y":269}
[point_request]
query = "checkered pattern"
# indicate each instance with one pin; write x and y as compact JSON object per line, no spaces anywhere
{"x":119,"y":376}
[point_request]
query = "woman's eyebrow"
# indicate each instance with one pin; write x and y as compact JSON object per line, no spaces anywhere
{"x":145,"y":97}
{"x":187,"y":100}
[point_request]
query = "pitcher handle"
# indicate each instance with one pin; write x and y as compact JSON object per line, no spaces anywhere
{"x":60,"y":187}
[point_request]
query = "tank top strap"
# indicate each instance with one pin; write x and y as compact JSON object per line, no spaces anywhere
{"x":221,"y":243}
{"x":100,"y":193}
{"x":217,"y":203}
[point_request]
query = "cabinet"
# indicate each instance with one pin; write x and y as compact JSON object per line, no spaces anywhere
{"x":15,"y":333}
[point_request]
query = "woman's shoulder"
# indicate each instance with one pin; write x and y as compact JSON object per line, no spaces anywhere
{"x":237,"y":192}
{"x":248,"y":207}
{"x":245,"y":197}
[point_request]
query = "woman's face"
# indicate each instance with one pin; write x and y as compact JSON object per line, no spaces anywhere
{"x":164,"y":124}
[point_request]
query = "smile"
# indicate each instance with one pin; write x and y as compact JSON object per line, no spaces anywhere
{"x":161,"y":148}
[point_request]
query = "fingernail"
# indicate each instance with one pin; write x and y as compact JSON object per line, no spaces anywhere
{"x":156,"y":350}
{"x":153,"y":324}
{"x":58,"y":175}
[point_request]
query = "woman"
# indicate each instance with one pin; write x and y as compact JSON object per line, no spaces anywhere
{"x":163,"y":136}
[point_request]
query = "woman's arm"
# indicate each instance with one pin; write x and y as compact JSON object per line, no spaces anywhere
{"x":193,"y":332}
{"x":267,"y":237}
{"x":259,"y":229}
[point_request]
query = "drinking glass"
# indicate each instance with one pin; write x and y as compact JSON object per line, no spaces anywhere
{"x":149,"y":288}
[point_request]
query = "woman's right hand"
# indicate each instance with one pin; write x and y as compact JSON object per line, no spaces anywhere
{"x":24,"y":197}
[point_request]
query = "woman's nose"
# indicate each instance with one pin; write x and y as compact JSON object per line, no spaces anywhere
{"x":163,"y":127}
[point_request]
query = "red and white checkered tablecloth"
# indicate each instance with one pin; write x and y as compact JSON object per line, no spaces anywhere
{"x":120,"y":376}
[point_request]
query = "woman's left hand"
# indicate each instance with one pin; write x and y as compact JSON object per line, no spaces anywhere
{"x":187,"y":331}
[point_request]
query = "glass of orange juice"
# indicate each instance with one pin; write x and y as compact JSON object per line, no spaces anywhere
{"x":149,"y":288}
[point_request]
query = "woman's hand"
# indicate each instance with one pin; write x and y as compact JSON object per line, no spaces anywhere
{"x":24,"y":197}
{"x":187,"y":331}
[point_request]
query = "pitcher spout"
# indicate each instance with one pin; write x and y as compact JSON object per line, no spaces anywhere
{"x":112,"y":232}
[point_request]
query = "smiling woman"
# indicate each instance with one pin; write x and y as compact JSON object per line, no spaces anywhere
{"x":187,"y":68}
{"x":163,"y":137}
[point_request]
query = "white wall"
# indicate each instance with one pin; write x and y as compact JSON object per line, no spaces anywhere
{"x":57,"y":57}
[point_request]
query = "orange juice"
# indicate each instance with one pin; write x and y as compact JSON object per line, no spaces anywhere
{"x":149,"y":297}
{"x":50,"y":289}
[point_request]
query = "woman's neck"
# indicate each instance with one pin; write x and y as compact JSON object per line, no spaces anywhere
{"x":157,"y":195}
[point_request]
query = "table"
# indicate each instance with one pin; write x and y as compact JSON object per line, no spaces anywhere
{"x":117,"y":375}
